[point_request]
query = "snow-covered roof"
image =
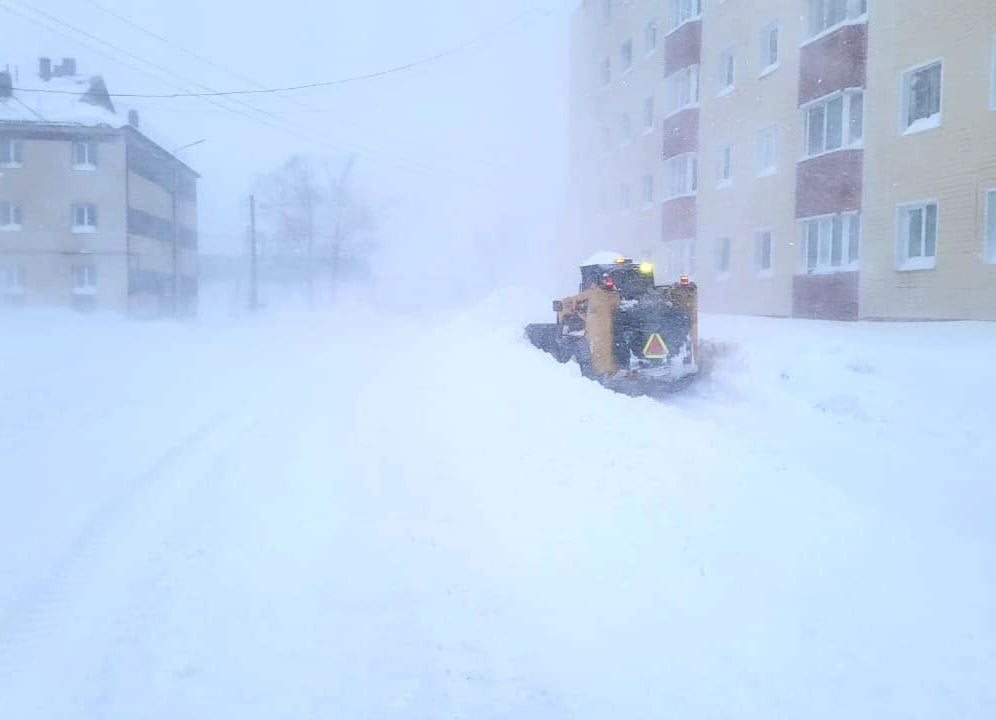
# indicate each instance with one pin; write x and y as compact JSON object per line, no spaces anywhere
{"x":64,"y":101}
{"x":603,"y":257}
{"x":72,"y":100}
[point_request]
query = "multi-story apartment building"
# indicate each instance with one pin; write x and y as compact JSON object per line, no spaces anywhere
{"x":813,"y":158}
{"x":93,"y":212}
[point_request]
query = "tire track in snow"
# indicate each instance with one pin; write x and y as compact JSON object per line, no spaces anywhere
{"x":29,"y":622}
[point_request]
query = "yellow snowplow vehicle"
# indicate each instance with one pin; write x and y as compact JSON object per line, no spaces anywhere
{"x":625,"y":331}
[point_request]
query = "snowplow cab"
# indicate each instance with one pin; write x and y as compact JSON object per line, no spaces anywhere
{"x":624,"y":330}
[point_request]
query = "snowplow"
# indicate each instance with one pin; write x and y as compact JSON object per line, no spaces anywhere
{"x":623,"y":330}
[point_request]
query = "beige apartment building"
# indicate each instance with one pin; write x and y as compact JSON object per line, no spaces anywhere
{"x":94,"y":214}
{"x":810,"y":158}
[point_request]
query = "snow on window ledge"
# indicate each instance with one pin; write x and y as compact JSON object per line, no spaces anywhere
{"x":85,"y":292}
{"x":85,"y":167}
{"x":726,"y":90}
{"x":765,"y":274}
{"x":923,"y":124}
{"x":723,"y":184}
{"x":84,"y":229}
{"x":11,"y":165}
{"x":767,"y":172}
{"x":859,"y":20}
{"x":768,"y":70}
{"x":14,"y":227}
{"x":917,"y":263}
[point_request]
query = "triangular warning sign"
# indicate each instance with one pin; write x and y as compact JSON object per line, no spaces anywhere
{"x":656,"y":348}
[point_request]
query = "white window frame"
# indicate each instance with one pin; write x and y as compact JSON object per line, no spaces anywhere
{"x":626,"y":56}
{"x":648,"y":190}
{"x":724,"y":168}
{"x":625,"y":198}
{"x":91,"y":216}
{"x":724,"y":88}
{"x":764,"y":46}
{"x":90,"y":152}
{"x":989,"y":241}
{"x":625,"y":129}
{"x":932,"y":122}
{"x":772,"y":168}
{"x":682,"y":12}
{"x":848,"y":142}
{"x":651,"y":37}
{"x":992,"y":79}
{"x":649,"y":115}
{"x":15,"y":149}
{"x":14,"y":221}
{"x":759,"y":269}
{"x":681,"y":173}
{"x":88,"y":275}
{"x":921,"y":262}
{"x":12,"y":279}
{"x":679,"y":85}
{"x":856,"y":13}
{"x":723,"y":273}
{"x":850,"y":261}
{"x":680,"y":259}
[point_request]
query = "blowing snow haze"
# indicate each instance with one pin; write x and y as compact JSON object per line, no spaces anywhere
{"x":553,"y":360}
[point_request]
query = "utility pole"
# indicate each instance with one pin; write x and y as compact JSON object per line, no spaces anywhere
{"x":253,"y":258}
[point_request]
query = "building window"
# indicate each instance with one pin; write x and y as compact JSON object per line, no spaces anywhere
{"x":648,"y":114}
{"x":681,"y":89}
{"x":84,"y":218}
{"x":767,"y":151}
{"x":680,"y":259}
{"x":834,"y":123}
{"x":625,"y":128}
{"x":648,"y":190}
{"x":11,"y":217}
{"x":606,"y":72}
{"x":683,"y":175}
{"x":725,"y":171}
{"x":11,"y":153}
{"x":12,"y":280}
{"x":650,"y":37}
{"x":627,"y":55}
{"x":723,"y":256}
{"x":85,"y":154}
{"x":769,"y":48}
{"x":917,"y":236}
{"x":992,"y":82}
{"x":831,"y":243}
{"x":825,"y":15}
{"x":922,"y":98}
{"x":990,"y":250}
{"x":84,"y":280}
{"x":683,"y":11}
{"x":727,"y":72}
{"x":762,"y":252}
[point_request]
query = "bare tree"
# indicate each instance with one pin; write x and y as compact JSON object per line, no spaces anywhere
{"x":313,"y":214}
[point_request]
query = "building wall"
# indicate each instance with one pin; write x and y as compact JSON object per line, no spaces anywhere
{"x":46,"y":187}
{"x":954,"y":163}
{"x":751,"y":203}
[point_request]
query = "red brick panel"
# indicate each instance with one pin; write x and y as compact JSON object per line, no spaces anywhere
{"x":683,"y":47}
{"x":829,"y":183}
{"x":833,"y":63}
{"x":825,"y":297}
{"x":681,"y":133}
{"x":679,"y":219}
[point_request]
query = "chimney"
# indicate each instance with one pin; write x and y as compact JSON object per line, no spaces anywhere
{"x":133,"y":118}
{"x":6,"y":85}
{"x":68,"y":67}
{"x":45,"y":69}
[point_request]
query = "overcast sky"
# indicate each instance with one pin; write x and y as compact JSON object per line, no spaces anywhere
{"x":471,"y":142}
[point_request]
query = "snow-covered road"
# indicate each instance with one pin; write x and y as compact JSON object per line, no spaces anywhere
{"x":362,"y":518}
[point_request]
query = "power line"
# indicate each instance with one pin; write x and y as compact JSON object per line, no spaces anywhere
{"x":207,"y":97}
{"x":294,"y":88}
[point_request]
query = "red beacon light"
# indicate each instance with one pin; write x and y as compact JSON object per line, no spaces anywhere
{"x":608,"y":283}
{"x":684,"y":280}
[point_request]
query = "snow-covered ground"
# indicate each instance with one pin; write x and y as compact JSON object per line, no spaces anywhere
{"x":370,"y":516}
